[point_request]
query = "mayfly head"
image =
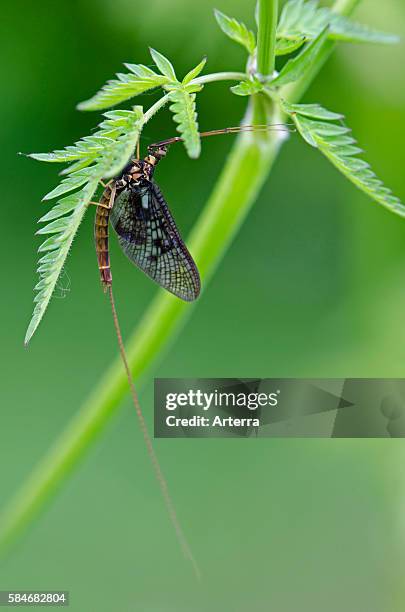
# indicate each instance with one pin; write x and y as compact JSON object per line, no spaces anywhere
{"x":158,"y":151}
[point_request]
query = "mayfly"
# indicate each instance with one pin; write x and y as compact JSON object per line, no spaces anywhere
{"x":148,"y":235}
{"x":147,"y":232}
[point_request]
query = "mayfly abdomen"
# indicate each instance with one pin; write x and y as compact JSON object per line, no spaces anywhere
{"x":101,"y":236}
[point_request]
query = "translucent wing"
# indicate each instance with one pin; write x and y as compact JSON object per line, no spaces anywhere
{"x":149,"y":237}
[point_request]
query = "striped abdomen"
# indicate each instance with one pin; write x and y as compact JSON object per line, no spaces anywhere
{"x":101,"y":235}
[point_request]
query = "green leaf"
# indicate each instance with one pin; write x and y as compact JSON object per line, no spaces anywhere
{"x":62,"y":243}
{"x":79,"y":165}
{"x":76,"y":180}
{"x":300,"y":19}
{"x":65,"y":205}
{"x":125,"y":87}
{"x":184,"y":112}
{"x":297,"y":66}
{"x":140,"y":70}
{"x":118,"y":153}
{"x":55,"y":227}
{"x":247,"y":88}
{"x":194,"y":72}
{"x":315,"y":111}
{"x":79,"y":151}
{"x":236,"y":30}
{"x":122,"y":128}
{"x":165,"y":67}
{"x":337,"y":144}
{"x":285,"y":46}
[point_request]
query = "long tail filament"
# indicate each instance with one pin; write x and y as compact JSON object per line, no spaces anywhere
{"x":151,"y":451}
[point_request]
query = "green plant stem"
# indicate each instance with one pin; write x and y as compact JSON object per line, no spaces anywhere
{"x":219,"y":76}
{"x":245,"y":171}
{"x":266,"y":36}
{"x":267,"y":14}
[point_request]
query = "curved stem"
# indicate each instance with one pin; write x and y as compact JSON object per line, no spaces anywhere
{"x":245,"y":171}
{"x":206,"y":78}
{"x":219,"y":76}
{"x":155,"y":108}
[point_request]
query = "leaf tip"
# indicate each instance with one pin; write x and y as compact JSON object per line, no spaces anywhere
{"x":194,"y":153}
{"x":82,"y":106}
{"x":28,"y":335}
{"x":220,"y":18}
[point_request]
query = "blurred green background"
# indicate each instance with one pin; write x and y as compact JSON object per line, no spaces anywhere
{"x":312,"y":286}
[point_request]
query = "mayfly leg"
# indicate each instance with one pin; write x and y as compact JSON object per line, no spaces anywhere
{"x":105,"y":185}
{"x":103,"y":198}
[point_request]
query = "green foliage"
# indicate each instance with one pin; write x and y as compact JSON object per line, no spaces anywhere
{"x":182,"y":95}
{"x":141,"y":79}
{"x":125,"y":87}
{"x":316,"y":126}
{"x":164,"y":65}
{"x":301,"y":21}
{"x":236,"y":31}
{"x":102,"y":155}
{"x":315,"y":111}
{"x":248,"y":87}
{"x":185,"y":115}
{"x":296,"y":67}
{"x":285,"y":46}
{"x":193,"y":74}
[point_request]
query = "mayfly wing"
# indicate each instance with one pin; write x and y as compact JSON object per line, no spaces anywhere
{"x":149,"y":237}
